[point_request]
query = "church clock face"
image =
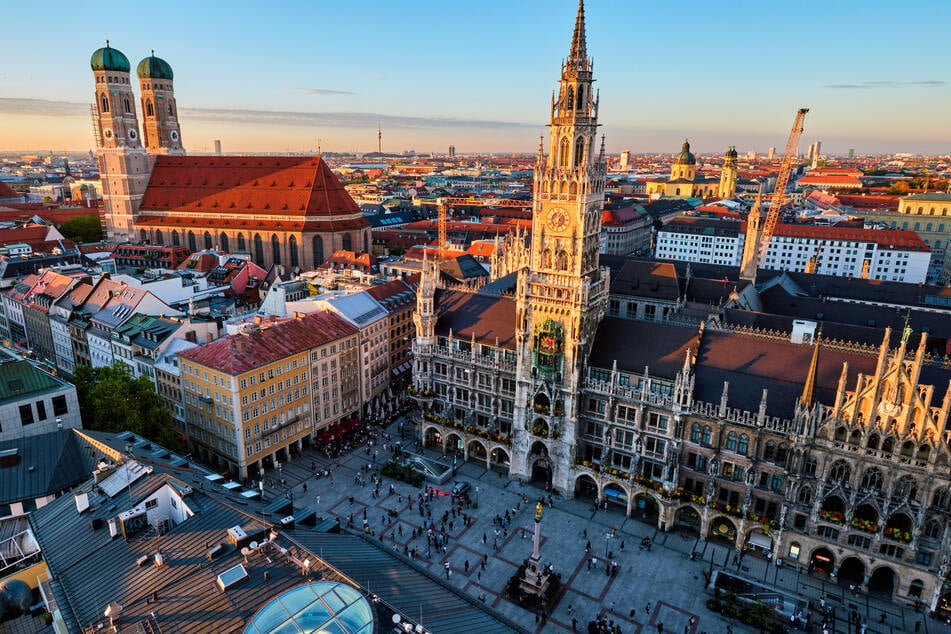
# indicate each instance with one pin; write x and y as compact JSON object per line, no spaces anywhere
{"x":557,"y":219}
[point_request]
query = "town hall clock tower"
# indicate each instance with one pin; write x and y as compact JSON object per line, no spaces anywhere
{"x":561,"y":292}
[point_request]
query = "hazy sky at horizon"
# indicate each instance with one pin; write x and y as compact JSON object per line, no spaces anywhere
{"x":479,"y":75}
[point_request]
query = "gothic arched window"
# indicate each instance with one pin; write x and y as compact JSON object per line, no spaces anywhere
{"x":318,"y":246}
{"x":563,"y":153}
{"x":546,"y":259}
{"x":707,"y":435}
{"x":128,"y":108}
{"x":223,"y":241}
{"x":872,"y":479}
{"x":276,"y":249}
{"x":143,"y":236}
{"x":907,"y":486}
{"x":241,"y":245}
{"x":105,"y":104}
{"x":731,"y":441}
{"x":175,"y":240}
{"x":192,"y":244}
{"x":258,"y":249}
{"x":695,"y":433}
{"x":805,"y":495}
{"x":933,"y":529}
{"x":840,"y":472}
{"x":158,"y":237}
{"x":579,"y":151}
{"x":347,"y":242}
{"x":570,"y":99}
{"x":561,"y":261}
{"x":208,"y":243}
{"x":148,"y":109}
{"x":292,"y":251}
{"x":743,"y":446}
{"x":171,"y":112}
{"x":873,"y":441}
{"x":580,"y":97}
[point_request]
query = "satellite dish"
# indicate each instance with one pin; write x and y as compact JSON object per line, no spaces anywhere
{"x":254,"y":545}
{"x":245,"y":551}
{"x":396,"y":618}
{"x":112,"y":610}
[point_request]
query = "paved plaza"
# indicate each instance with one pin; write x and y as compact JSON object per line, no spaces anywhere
{"x":660,"y":586}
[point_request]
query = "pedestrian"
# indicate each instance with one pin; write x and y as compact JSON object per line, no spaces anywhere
{"x":622,"y":545}
{"x":632,"y":613}
{"x":305,"y":487}
{"x":611,"y":610}
{"x":483,"y":539}
{"x":881,"y":617}
{"x":660,"y":628}
{"x":917,"y":626}
{"x":318,"y":500}
{"x":467,"y":566}
{"x":574,"y":621}
{"x":570,"y":608}
{"x":585,"y":533}
{"x":647,"y":609}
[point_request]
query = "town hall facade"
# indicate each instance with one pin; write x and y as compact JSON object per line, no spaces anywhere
{"x":830,"y":455}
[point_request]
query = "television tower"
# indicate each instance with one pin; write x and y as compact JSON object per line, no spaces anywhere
{"x":379,"y":138}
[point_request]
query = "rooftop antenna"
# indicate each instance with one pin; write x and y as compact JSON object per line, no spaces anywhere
{"x":318,"y":147}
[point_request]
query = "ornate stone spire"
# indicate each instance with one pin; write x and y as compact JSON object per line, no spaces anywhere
{"x":578,"y":57}
{"x":810,"y":386}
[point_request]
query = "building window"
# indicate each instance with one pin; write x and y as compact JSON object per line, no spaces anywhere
{"x":59,"y":406}
{"x":26,"y":415}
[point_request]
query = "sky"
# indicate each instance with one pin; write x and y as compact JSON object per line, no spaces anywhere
{"x":276,"y":77}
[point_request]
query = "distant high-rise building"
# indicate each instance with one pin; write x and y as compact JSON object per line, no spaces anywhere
{"x":218,"y":147}
{"x":452,"y":151}
{"x":771,"y":154}
{"x":851,"y":152}
{"x":625,"y":159}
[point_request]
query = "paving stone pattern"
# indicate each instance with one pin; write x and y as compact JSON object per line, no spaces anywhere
{"x":663,"y":579}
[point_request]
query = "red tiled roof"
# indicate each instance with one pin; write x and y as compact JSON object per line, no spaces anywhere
{"x":837,"y":180}
{"x":869,"y":202}
{"x":301,"y":190}
{"x":252,"y":349}
{"x":7,"y":192}
{"x":889,"y":238}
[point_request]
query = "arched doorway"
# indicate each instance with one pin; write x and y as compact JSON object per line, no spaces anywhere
{"x":882,"y":582}
{"x":432,"y":438}
{"x":454,"y":444}
{"x":541,"y":464}
{"x":541,"y":471}
{"x":723,"y":529}
{"x":687,"y":519}
{"x":476,"y":452}
{"x":645,"y":509}
{"x":586,"y":488}
{"x":851,"y":572}
{"x":822,"y":561}
{"x":499,"y":460}
{"x":615,"y":494}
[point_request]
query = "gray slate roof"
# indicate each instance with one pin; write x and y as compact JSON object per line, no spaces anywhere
{"x":48,"y":463}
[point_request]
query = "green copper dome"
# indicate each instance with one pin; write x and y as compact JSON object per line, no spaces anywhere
{"x":154,"y":68}
{"x":108,"y":58}
{"x":685,"y":157}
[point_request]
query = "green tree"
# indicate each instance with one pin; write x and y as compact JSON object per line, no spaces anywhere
{"x":111,"y":400}
{"x":82,"y":229}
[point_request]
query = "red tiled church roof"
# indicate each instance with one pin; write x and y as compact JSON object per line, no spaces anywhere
{"x":232,"y":192}
{"x":7,"y":192}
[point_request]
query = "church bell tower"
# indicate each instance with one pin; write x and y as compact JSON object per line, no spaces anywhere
{"x":159,"y":110}
{"x":124,"y":165}
{"x":562,"y":292}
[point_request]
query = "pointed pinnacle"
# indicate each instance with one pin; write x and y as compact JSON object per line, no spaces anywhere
{"x":578,"y":57}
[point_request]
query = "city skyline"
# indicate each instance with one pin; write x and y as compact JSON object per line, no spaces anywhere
{"x":278,"y":83}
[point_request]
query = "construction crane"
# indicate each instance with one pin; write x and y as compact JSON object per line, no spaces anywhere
{"x":442,"y":211}
{"x":782,"y":180}
{"x":441,"y":239}
{"x":812,"y":266}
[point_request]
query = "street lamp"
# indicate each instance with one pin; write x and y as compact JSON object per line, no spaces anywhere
{"x":607,"y":540}
{"x":477,"y":496}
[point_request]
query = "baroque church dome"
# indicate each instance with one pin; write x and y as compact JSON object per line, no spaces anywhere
{"x":685,"y":157}
{"x":153,"y":67}
{"x":108,"y":58}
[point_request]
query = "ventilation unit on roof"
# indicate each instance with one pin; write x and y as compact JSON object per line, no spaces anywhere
{"x":232,"y":576}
